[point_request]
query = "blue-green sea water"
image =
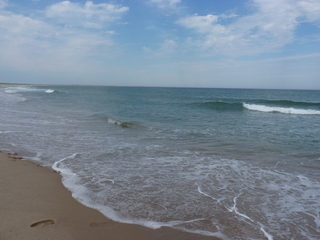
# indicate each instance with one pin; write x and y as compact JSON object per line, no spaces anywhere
{"x":233,"y":163}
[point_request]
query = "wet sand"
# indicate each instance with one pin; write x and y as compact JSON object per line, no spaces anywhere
{"x":35,"y":205}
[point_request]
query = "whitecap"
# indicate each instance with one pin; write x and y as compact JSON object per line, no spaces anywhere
{"x":268,"y":109}
{"x":10,"y":91}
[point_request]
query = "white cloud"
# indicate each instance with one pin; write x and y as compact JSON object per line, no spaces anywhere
{"x":311,"y":9}
{"x":146,"y":49}
{"x":269,"y":28}
{"x":18,"y":26}
{"x":167,"y":48}
{"x":3,"y":4}
{"x":165,"y":4}
{"x":111,"y":32}
{"x":28,"y":43}
{"x":89,"y":15}
{"x":31,"y":44}
{"x":202,"y":24}
{"x":19,"y":38}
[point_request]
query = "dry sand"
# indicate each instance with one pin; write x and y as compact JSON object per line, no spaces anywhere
{"x":34,"y":205}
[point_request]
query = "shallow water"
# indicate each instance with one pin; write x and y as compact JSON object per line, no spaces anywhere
{"x":238,"y":164}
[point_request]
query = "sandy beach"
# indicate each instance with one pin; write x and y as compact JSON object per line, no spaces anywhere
{"x":36,"y":205}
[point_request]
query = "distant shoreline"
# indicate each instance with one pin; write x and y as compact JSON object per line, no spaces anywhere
{"x":14,"y":84}
{"x":99,"y":85}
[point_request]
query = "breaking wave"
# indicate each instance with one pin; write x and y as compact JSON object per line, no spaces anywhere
{"x":269,"y":106}
{"x":289,"y":103}
{"x":124,"y":124}
{"x":117,"y":122}
{"x":15,"y":89}
{"x":286,"y":110}
{"x":10,"y":91}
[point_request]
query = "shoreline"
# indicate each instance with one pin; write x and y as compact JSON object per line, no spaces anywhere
{"x":38,"y":206}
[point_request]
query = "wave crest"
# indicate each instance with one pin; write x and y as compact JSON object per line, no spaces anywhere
{"x":221,"y":105}
{"x":289,"y":103}
{"x":286,"y":110}
{"x":124,"y":124}
{"x":17,"y":89}
{"x":268,"y":106}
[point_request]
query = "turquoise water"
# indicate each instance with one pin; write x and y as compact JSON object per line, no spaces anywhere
{"x":233,"y":163}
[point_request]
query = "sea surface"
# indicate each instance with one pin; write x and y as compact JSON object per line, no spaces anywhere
{"x":233,"y":163}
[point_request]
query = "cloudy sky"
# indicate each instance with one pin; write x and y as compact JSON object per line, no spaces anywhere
{"x":181,"y":43}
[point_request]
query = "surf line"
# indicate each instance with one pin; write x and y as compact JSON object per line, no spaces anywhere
{"x":235,"y":210}
{"x":56,"y":167}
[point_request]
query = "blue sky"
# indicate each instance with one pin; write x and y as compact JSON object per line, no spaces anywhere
{"x":180,"y":43}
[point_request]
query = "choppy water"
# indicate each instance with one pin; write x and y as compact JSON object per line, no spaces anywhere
{"x":238,"y":164}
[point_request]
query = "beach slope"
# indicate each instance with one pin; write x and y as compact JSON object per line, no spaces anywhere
{"x":35,"y":205}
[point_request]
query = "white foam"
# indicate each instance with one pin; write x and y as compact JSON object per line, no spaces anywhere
{"x":71,"y":181}
{"x":17,"y":89}
{"x":110,"y":120}
{"x":8,"y":96}
{"x":6,"y":132}
{"x":207,"y":195}
{"x":235,"y":209}
{"x":268,"y":235}
{"x":10,"y":91}
{"x":113,"y":215}
{"x":37,"y":158}
{"x":82,"y":194}
{"x":110,"y":180}
{"x":56,"y":167}
{"x":263,"y":108}
{"x":21,"y":89}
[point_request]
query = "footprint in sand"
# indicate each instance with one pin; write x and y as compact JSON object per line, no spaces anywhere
{"x":43,"y":223}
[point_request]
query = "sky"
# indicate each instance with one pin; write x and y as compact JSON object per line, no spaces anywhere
{"x":172,"y":43}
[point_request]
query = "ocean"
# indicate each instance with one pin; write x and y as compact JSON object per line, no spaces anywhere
{"x":233,"y":163}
